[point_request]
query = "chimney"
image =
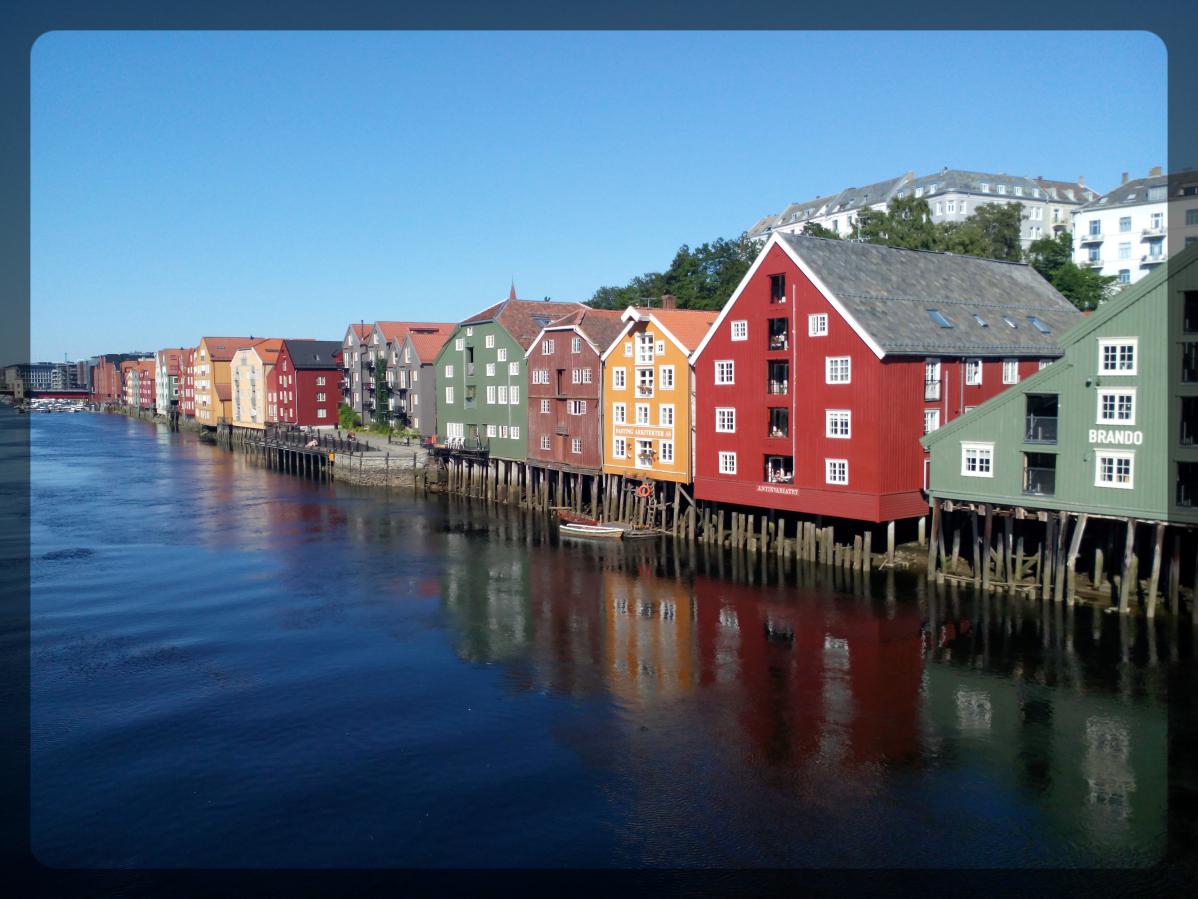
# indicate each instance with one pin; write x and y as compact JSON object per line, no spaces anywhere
{"x":1124,"y":181}
{"x":1081,"y":180}
{"x":669,"y":301}
{"x":1154,"y":171}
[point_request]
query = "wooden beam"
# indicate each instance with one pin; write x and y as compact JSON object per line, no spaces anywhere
{"x":1075,"y":546}
{"x":932,"y":545}
{"x":987,"y":535}
{"x":1154,"y":578}
{"x":1129,"y":546}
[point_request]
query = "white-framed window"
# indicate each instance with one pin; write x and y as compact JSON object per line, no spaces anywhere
{"x":492,"y":431}
{"x":449,"y":371}
{"x":576,"y":345}
{"x":836,"y":471}
{"x":628,"y":348}
{"x":415,"y":399}
{"x":973,"y":372}
{"x":490,"y":341}
{"x":320,"y":381}
{"x":501,"y":354}
{"x":513,"y":368}
{"x":817,"y":325}
{"x":503,"y":431}
{"x":1117,"y":407}
{"x":1117,"y":356}
{"x":725,"y":420}
{"x":644,"y":382}
{"x":459,"y":343}
{"x":1010,"y":371}
{"x":977,"y":460}
{"x":667,"y":376}
{"x":546,"y":443}
{"x":540,"y":376}
{"x":320,"y":397}
{"x":619,"y":448}
{"x":577,"y":407}
{"x":470,"y":332}
{"x":665,"y":415}
{"x":837,"y":370}
{"x":1044,"y":363}
{"x":515,"y":432}
{"x":644,"y":453}
{"x":1113,"y":468}
{"x":448,"y":393}
{"x":740,"y":330}
{"x":727,"y":463}
{"x":455,"y":429}
{"x":547,"y":347}
{"x":586,"y":376}
{"x":545,"y":407}
{"x":931,"y":420}
{"x":513,"y":395}
{"x":661,"y":347}
{"x":619,"y":377}
{"x":619,"y":413}
{"x":490,"y":369}
{"x":576,"y":445}
{"x":415,"y":375}
{"x":725,"y":372}
{"x":502,"y":399}
{"x":666,"y":451}
{"x":838,"y":423}
{"x":644,"y":349}
{"x":576,"y":376}
{"x":490,"y":394}
{"x":642,"y":413}
{"x":322,"y":413}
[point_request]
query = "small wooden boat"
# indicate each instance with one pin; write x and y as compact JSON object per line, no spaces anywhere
{"x":591,"y":531}
{"x":639,"y":533}
{"x":565,"y":516}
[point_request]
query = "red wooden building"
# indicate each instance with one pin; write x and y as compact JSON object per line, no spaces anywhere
{"x":107,"y":381}
{"x":832,"y":358}
{"x":304,"y":386}
{"x":564,"y":380}
{"x":147,"y":392}
{"x":187,"y":386}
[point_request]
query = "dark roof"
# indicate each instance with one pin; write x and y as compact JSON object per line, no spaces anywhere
{"x":1133,"y":193}
{"x":599,"y":326}
{"x":313,"y":353}
{"x":890,"y":293}
{"x":524,"y":319}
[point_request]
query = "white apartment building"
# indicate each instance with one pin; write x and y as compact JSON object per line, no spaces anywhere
{"x":1124,"y":232}
{"x":952,"y":194}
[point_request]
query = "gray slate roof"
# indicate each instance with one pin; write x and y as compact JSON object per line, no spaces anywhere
{"x":890,"y":291}
{"x":1133,"y":193}
{"x":307,"y":354}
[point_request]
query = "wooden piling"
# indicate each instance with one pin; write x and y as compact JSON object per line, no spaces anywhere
{"x":1126,"y":577}
{"x":1071,"y":563}
{"x":1175,"y":577}
{"x":1154,"y":578}
{"x":987,"y":535}
{"x":932,"y":544}
{"x":890,"y":542}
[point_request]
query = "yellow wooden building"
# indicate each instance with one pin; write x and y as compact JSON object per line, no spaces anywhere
{"x":213,"y":390}
{"x":248,"y":371}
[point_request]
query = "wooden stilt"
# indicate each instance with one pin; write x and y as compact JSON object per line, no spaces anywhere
{"x":1062,"y":533}
{"x":987,"y":534}
{"x":1126,"y":578}
{"x":932,"y":544}
{"x":923,"y":520}
{"x":868,"y":558}
{"x":1175,"y":578}
{"x":1154,"y":578}
{"x":1008,"y":531}
{"x":890,"y":542}
{"x":977,"y":558}
{"x":1071,"y":564}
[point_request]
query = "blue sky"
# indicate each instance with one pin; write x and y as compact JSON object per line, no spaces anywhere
{"x":287,"y":183}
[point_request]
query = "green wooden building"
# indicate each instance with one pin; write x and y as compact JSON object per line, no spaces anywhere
{"x":1108,"y":431}
{"x":482,"y":379}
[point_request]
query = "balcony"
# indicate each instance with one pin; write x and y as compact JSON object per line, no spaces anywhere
{"x":1149,"y":233}
{"x":778,"y":328}
{"x":931,"y":390}
{"x":1093,"y":263}
{"x":561,"y":430}
{"x":644,"y":390}
{"x":469,"y":369}
{"x":1187,"y":484}
{"x":779,"y":470}
{"x":1040,"y":481}
{"x":1040,"y":429}
{"x":1153,"y":258}
{"x":1189,"y":421}
{"x":1092,"y":237}
{"x":778,"y":388}
{"x":1189,"y":362}
{"x":778,"y":378}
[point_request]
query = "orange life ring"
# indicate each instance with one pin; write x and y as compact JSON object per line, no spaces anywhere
{"x":644,"y":491}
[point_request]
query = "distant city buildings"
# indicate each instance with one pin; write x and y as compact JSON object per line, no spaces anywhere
{"x":952,"y":195}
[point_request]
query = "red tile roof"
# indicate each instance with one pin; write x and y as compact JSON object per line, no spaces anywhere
{"x":600,"y":326}
{"x":221,"y":349}
{"x":689,"y":326}
{"x":428,"y":342}
{"x":268,"y":349}
{"x":224,"y":391}
{"x":523,"y":319}
{"x":362,"y":330}
{"x":397,"y":330}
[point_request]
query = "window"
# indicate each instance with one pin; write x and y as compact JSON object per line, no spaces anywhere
{"x":973,"y":372}
{"x":1114,"y":469}
{"x":644,"y":349}
{"x":545,"y":442}
{"x":490,"y":369}
{"x":1094,"y":254}
{"x":952,"y":206}
{"x":931,"y":420}
{"x":644,"y":382}
{"x":665,"y":415}
{"x":586,"y":375}
{"x":459,"y":344}
{"x":575,"y":344}
{"x":320,"y":382}
{"x":1191,"y":217}
{"x":1124,"y":224}
{"x":1038,"y":324}
{"x":727,"y":463}
{"x":546,"y":347}
{"x":1002,"y":189}
{"x":544,"y":407}
{"x":836,"y":471}
{"x":1018,"y":191}
{"x":469,"y":332}
{"x":540,"y":376}
{"x":838,"y":423}
{"x":489,"y":341}
{"x":618,"y":376}
{"x":577,"y":407}
{"x":1117,"y":356}
{"x":1125,"y":250}
{"x":618,"y":413}
{"x":1157,"y":221}
{"x":661,"y":347}
{"x":320,"y":397}
{"x":777,"y":288}
{"x":817,"y":325}
{"x":502,"y":394}
{"x":449,"y":394}
{"x":449,"y":371}
{"x":1010,"y":371}
{"x":576,"y":445}
{"x":740,"y":330}
{"x":724,"y":372}
{"x":938,"y":317}
{"x":501,"y":354}
{"x":642,"y":413}
{"x":1043,"y":364}
{"x":322,"y":413}
{"x":513,"y":368}
{"x":576,"y":376}
{"x":779,"y":422}
{"x":666,"y":450}
{"x":514,"y":395}
{"x":977,"y":460}
{"x":837,"y":370}
{"x":492,"y":431}
{"x":515,"y":432}
{"x":1117,"y":407}
{"x":619,"y":448}
{"x":725,"y":420}
{"x":490,"y":394}
{"x":667,"y":377}
{"x":628,"y":348}
{"x":1124,"y":276}
{"x":644,"y":453}
{"x":939,"y":207}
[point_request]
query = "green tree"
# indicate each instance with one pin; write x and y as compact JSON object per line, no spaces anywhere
{"x":906,"y":222}
{"x":1052,"y":257}
{"x":1001,"y":224}
{"x":702,"y":278}
{"x":814,"y":229}
{"x":963,"y":238}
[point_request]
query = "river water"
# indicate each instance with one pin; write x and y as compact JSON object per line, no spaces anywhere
{"x":232,"y":667}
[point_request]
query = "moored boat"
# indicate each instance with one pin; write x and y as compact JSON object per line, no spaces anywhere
{"x":591,"y":531}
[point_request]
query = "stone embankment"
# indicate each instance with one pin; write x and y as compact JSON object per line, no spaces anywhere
{"x":391,"y":465}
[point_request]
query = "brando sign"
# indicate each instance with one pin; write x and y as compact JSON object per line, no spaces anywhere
{"x":1120,"y":438}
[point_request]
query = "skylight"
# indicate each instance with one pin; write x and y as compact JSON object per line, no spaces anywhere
{"x":939,"y":319}
{"x":1037,"y":324}
{"x":1008,"y":321}
{"x":981,"y":321}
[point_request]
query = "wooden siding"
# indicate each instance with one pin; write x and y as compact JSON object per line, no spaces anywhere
{"x":476,"y":416}
{"x":558,"y":424}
